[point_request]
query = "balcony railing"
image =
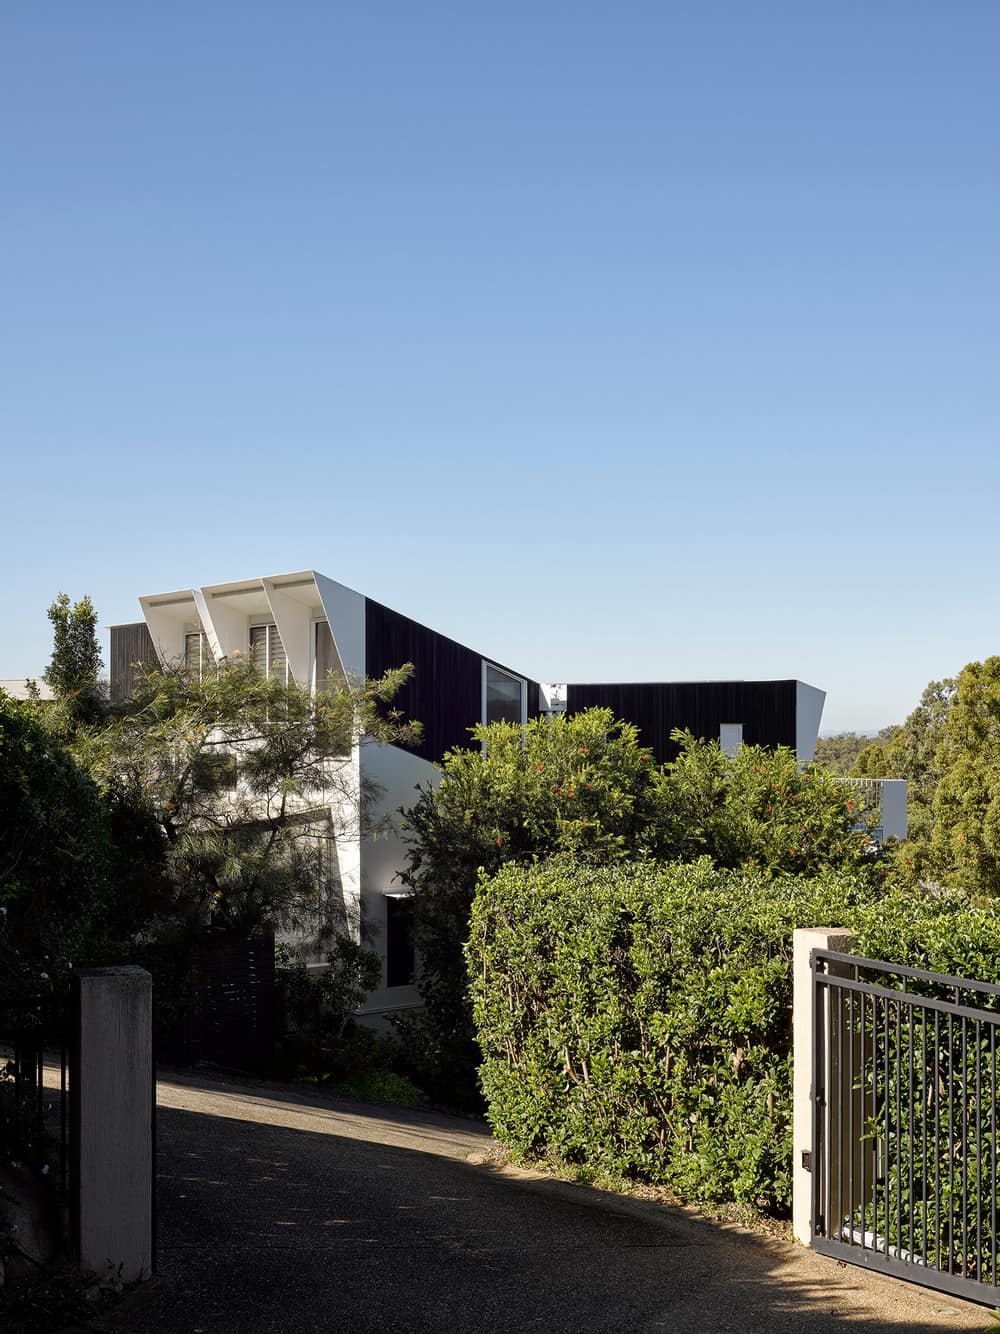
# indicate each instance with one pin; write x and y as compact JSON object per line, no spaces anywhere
{"x":889,"y":796}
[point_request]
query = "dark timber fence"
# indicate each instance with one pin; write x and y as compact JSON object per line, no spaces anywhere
{"x":233,"y":1015}
{"x":905,"y":1082}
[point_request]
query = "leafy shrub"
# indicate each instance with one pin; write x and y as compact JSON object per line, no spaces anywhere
{"x":636,"y":1019}
{"x":55,"y":855}
{"x":387,"y":1086}
{"x":322,"y":1037}
{"x":584,"y":784}
{"x":759,"y":810}
{"x":580,"y":784}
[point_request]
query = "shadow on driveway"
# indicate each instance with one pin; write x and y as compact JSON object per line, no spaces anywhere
{"x":287,"y":1212}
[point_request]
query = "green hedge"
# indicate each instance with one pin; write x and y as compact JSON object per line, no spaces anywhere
{"x":636,"y":1019}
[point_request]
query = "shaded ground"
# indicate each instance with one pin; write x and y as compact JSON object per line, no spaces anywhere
{"x":286,"y":1212}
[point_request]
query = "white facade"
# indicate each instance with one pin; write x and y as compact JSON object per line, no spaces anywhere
{"x":304,"y":624}
{"x":367,"y":864}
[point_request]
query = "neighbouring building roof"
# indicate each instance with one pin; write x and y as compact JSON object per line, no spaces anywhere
{"x":17,"y":688}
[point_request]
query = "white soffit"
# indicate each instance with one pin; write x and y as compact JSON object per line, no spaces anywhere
{"x":345,"y":612}
{"x":291,"y":600}
{"x":226,"y":610}
{"x":167,"y":616}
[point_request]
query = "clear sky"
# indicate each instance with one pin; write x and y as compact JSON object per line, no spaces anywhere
{"x":632,"y":341}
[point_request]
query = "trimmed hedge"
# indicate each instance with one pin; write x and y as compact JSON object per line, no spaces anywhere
{"x":636,"y":1019}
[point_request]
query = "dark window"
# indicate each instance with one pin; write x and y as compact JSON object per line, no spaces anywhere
{"x":504,"y":697}
{"x":327,"y":660}
{"x":400,"y":958}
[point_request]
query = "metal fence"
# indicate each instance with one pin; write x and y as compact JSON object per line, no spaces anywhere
{"x":35,"y":1122}
{"x":905,"y":1123}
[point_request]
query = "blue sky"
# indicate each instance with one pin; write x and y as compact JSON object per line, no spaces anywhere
{"x":633,"y":341}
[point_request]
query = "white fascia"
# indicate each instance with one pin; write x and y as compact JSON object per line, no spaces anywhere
{"x":345,"y":613}
{"x":809,"y":701}
{"x":168,"y":616}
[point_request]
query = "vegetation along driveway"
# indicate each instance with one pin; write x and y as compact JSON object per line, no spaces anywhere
{"x":287,"y":1211}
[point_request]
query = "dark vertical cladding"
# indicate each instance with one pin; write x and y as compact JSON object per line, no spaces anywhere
{"x":131,"y":645}
{"x":445,"y":693}
{"x":765,"y":708}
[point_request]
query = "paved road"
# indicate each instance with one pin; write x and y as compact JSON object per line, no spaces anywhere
{"x":279,"y":1211}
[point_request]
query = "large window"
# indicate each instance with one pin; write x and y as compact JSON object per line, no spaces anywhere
{"x":267,"y":653}
{"x":505,"y":697}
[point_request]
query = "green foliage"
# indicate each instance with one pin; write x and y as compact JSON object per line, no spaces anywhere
{"x":758,"y":810}
{"x":386,"y":1086}
{"x":580,"y":784}
{"x":222,"y":789}
{"x":55,"y":854}
{"x":584,"y":785}
{"x":911,"y":752}
{"x":76,"y":662}
{"x":839,"y":753}
{"x":965,"y":842}
{"x":636,"y":1019}
{"x":322,"y":1038}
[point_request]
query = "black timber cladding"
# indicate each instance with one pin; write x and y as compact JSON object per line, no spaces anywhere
{"x":445,"y":693}
{"x":130,"y":645}
{"x":765,"y":708}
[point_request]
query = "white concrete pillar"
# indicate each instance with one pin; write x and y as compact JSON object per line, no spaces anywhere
{"x":112,"y":1106}
{"x":804,"y":941}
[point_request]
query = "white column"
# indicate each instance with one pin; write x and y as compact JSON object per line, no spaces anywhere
{"x":805,"y":940}
{"x":112,"y":1103}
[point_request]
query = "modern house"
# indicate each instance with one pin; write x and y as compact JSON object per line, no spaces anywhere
{"x":303,"y":625}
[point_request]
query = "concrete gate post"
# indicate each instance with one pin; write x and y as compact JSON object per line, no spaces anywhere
{"x":112,"y":1108}
{"x":804,"y":941}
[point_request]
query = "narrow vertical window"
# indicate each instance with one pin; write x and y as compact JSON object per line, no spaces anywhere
{"x":324,"y":656}
{"x":400,"y":955}
{"x":731,"y":737}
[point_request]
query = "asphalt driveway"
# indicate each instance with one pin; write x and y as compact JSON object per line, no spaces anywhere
{"x":282,"y":1211}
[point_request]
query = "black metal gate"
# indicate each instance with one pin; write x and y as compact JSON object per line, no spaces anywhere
{"x":37,"y":1032}
{"x":905,"y":1123}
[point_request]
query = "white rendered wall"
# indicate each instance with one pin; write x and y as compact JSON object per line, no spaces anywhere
{"x":345,"y":613}
{"x":808,"y":712}
{"x":892,"y":807}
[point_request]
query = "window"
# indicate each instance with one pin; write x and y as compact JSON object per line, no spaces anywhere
{"x":325,"y":659}
{"x":505,"y":697}
{"x":731,"y":737}
{"x":197,"y":655}
{"x":267,"y":653}
{"x":400,"y":956}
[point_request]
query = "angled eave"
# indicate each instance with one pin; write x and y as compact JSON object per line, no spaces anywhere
{"x":293,"y":602}
{"x":169,"y":616}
